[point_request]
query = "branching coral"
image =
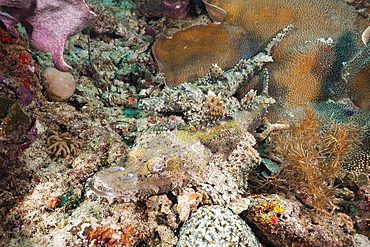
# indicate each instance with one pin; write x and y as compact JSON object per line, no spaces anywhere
{"x":63,"y":144}
{"x":313,"y":153}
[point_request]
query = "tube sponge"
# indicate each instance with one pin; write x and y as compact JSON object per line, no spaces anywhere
{"x":60,"y":86}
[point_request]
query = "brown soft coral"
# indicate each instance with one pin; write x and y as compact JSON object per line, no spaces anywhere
{"x":63,"y":144}
{"x":313,"y":154}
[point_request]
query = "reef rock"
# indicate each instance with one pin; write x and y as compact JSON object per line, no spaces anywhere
{"x":281,"y":222}
{"x":17,"y":130}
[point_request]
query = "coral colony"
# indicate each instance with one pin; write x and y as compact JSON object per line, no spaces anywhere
{"x":184,"y":123}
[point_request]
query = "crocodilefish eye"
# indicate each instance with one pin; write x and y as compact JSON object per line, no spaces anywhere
{"x":156,"y":164}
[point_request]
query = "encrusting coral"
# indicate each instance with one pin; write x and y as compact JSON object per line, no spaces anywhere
{"x":357,"y":73}
{"x":62,"y":144}
{"x":107,"y":237}
{"x":282,"y":222}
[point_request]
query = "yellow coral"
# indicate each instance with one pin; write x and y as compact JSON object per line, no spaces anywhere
{"x":265,"y":209}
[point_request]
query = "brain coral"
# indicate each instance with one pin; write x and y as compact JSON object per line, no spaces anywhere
{"x":216,"y":226}
{"x":307,"y":63}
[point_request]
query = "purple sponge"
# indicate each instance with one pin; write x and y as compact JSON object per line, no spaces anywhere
{"x":48,"y":23}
